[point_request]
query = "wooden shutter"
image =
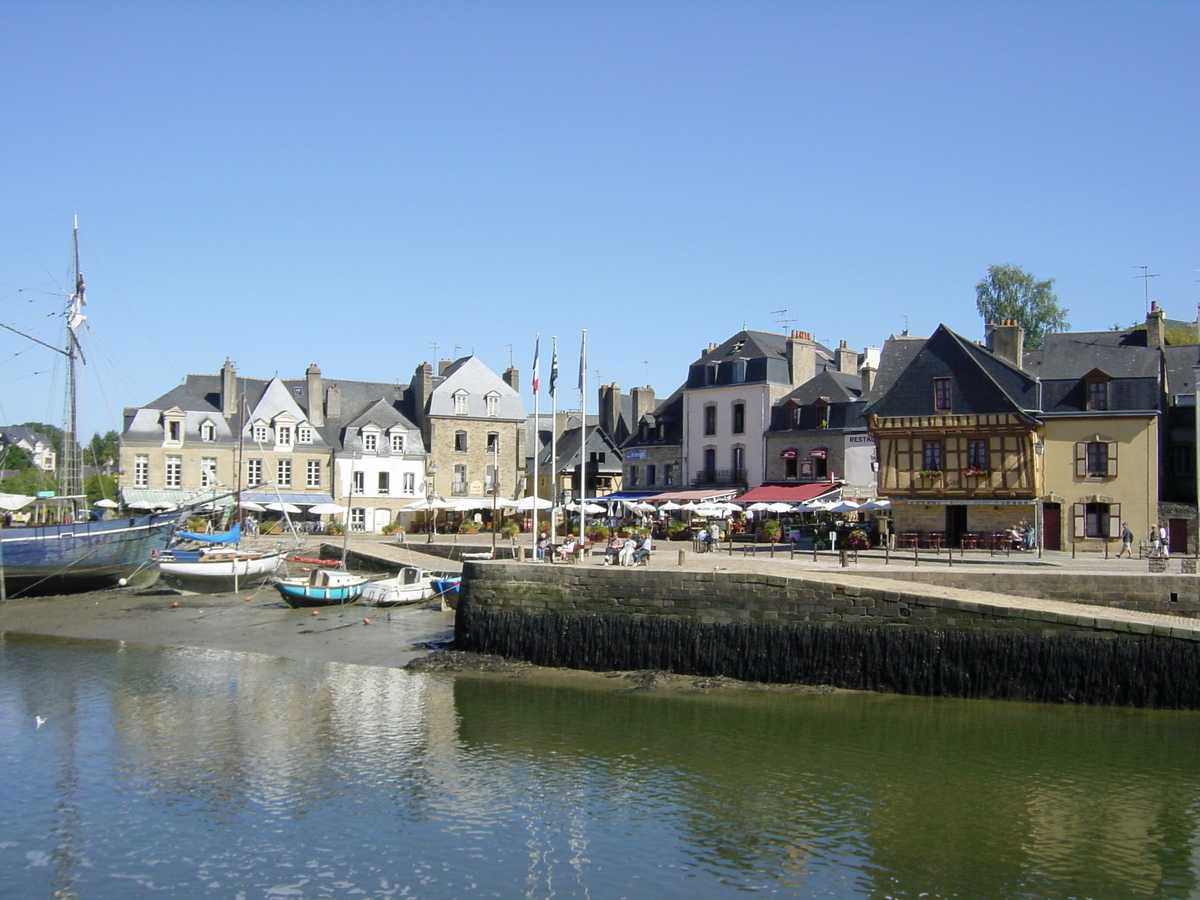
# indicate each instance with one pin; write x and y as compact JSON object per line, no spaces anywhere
{"x":1080,"y":517}
{"x":1081,"y":460}
{"x":1112,"y":459}
{"x":1114,"y":520}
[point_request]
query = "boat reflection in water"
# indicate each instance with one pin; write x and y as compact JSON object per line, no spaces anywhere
{"x":284,"y":778}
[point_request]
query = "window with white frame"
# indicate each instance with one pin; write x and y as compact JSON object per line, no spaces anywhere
{"x":397,"y":442}
{"x":312,"y":473}
{"x":409,"y":483}
{"x":208,"y":432}
{"x":460,"y":441}
{"x":208,"y":471}
{"x":254,"y":471}
{"x":283,"y":435}
{"x":384,"y":483}
{"x":358,"y":519}
{"x":358,"y":482}
{"x":173,"y":431}
{"x":174,"y":469}
{"x":259,"y":434}
{"x":283,"y":471}
{"x":370,"y":441}
{"x":493,"y":404}
{"x":304,"y":434}
{"x":141,"y":471}
{"x":460,"y":402}
{"x":493,"y":441}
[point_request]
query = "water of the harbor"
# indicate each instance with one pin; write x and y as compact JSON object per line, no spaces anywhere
{"x":183,"y":773}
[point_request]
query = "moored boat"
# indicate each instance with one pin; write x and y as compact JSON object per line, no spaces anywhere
{"x":321,"y":588}
{"x":411,"y":585}
{"x":447,"y":589}
{"x":217,"y":568}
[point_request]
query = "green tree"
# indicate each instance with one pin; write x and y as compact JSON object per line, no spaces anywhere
{"x":1009,"y":292}
{"x":103,"y":448}
{"x":14,"y":457}
{"x":29,"y":482}
{"x":100,"y":487}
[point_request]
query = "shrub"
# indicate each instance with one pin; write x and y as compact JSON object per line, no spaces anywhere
{"x":598,"y":533}
{"x":858,"y":540}
{"x":770,"y":531}
{"x":510,"y":530}
{"x":677,"y":530}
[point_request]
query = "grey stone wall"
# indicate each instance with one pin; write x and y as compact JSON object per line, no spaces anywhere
{"x":715,"y":598}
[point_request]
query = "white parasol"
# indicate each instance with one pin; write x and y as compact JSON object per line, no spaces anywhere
{"x":326,"y":509}
{"x":282,"y":507}
{"x":106,"y":503}
{"x":251,"y":506}
{"x":760,"y":506}
{"x":532,"y":502}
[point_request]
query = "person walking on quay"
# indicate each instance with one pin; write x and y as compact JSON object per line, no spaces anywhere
{"x":1164,"y":542}
{"x":1126,"y":541}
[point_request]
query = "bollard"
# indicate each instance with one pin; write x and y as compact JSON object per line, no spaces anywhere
{"x":916,"y":555}
{"x":887,"y":553}
{"x":682,"y":557}
{"x":845,"y":563}
{"x":814,"y":548}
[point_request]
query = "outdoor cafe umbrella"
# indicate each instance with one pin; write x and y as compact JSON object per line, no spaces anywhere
{"x":844,"y":506}
{"x":532,"y":502}
{"x":106,"y":503}
{"x":326,"y":509}
{"x":281,"y":507}
{"x":251,"y":506}
{"x":760,"y":506}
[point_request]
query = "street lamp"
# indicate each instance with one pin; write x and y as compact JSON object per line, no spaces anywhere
{"x":430,"y":496}
{"x":495,"y":486}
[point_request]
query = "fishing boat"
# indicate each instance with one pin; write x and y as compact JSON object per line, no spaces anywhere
{"x":411,"y":585}
{"x":75,"y":553}
{"x":322,"y":587}
{"x":217,"y":568}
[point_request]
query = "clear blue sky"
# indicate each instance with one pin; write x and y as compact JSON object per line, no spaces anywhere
{"x":349,"y":184}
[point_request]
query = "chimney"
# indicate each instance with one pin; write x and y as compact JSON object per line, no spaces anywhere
{"x":801,"y":357}
{"x":1006,"y":340}
{"x":512,"y":377}
{"x":610,"y":407}
{"x":422,"y":388}
{"x":443,"y":365}
{"x":333,"y":403}
{"x":1156,"y":327}
{"x":316,"y":408}
{"x":229,"y":397}
{"x":643,"y":403}
{"x":709,"y":349}
{"x":847,"y":359}
{"x":867,"y":372}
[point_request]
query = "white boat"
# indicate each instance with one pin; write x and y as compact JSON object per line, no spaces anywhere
{"x":217,"y":569}
{"x":411,"y":585}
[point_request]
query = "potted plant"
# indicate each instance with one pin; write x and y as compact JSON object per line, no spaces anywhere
{"x":974,"y":472}
{"x":857,"y":539}
{"x":929,"y":473}
{"x":510,"y":530}
{"x":677,"y":530}
{"x":770,"y":531}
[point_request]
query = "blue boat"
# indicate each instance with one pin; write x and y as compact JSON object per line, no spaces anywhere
{"x":55,"y":559}
{"x":321,"y":588}
{"x":447,"y":590}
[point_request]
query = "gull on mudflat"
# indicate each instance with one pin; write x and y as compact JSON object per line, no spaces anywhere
{"x":40,"y":721}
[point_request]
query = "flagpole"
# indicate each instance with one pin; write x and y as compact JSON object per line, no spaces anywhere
{"x":537,"y":342}
{"x":554,"y":444}
{"x":582,"y":432}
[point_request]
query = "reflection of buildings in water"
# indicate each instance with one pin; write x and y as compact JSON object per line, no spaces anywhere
{"x":240,"y":727}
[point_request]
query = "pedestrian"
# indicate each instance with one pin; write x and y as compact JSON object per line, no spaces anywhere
{"x":1126,"y":541}
{"x":702,"y":541}
{"x":543,"y":545}
{"x":1164,"y":542}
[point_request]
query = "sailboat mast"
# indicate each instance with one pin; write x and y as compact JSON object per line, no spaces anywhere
{"x":71,"y":468}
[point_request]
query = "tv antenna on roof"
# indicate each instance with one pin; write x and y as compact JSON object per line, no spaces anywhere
{"x":785,"y":321}
{"x":1146,"y":281}
{"x":646,"y":363}
{"x":435,"y":347}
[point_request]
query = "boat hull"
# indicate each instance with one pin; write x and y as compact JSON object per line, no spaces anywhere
{"x":410,"y":586}
{"x":324,"y":588}
{"x":59,"y":559}
{"x":219,"y":574}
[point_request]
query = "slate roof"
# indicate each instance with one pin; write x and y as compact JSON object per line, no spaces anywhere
{"x":568,"y":451}
{"x":1074,"y":354}
{"x":764,"y":352}
{"x":471,"y":375}
{"x":1180,"y":379}
{"x":980,"y":382}
{"x":898,"y":351}
{"x":670,"y":413}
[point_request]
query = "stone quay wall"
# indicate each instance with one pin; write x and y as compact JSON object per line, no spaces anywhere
{"x":1168,"y":594}
{"x":854,"y":632}
{"x":725,"y":597}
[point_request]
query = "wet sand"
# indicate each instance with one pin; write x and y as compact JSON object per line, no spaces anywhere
{"x":251,"y":621}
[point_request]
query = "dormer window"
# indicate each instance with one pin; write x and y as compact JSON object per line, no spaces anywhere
{"x":738,"y":369}
{"x":259,"y":433}
{"x":821,"y":409}
{"x":941,"y":395}
{"x":370,"y":442}
{"x":1097,"y":394}
{"x":710,"y":373}
{"x":304,"y":434}
{"x":208,"y":432}
{"x":493,"y":404}
{"x":460,"y":403}
{"x":283,"y":435}
{"x":397,"y":443}
{"x":174,"y":431}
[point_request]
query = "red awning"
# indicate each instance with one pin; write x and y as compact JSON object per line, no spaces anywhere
{"x":695,"y":496}
{"x":788,"y":493}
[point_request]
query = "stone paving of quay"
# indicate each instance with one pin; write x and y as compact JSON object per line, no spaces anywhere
{"x":257,"y":621}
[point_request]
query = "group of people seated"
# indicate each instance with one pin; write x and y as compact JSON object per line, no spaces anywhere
{"x":624,"y":550}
